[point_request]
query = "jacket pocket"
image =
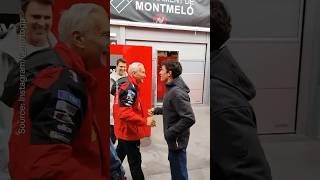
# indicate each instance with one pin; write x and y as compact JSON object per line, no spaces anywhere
{"x":172,"y":145}
{"x":131,"y":131}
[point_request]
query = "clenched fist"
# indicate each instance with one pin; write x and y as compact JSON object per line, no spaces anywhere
{"x":150,"y":112}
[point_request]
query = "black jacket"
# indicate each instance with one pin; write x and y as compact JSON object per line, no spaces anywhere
{"x":178,"y":115}
{"x":237,"y":153}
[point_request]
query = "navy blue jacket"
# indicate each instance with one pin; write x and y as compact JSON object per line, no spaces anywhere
{"x":178,"y":115}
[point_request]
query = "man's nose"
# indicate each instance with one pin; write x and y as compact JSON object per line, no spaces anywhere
{"x":42,"y":22}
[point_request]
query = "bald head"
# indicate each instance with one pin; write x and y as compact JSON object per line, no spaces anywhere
{"x":137,"y":71}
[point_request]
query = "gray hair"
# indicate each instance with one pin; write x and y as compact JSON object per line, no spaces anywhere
{"x":134,"y":67}
{"x":77,"y":18}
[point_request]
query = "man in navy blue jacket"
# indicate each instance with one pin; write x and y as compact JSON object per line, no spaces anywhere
{"x":178,"y":117}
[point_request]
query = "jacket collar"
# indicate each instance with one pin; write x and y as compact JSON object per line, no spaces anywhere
{"x":179,"y":83}
{"x":133,"y":81}
{"x":75,"y":63}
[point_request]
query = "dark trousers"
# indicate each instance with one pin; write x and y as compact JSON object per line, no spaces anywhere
{"x":131,"y":149}
{"x":218,"y":172}
{"x":178,"y":164}
{"x":112,"y":135}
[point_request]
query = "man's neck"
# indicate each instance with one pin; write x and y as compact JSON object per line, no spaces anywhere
{"x":121,"y":75}
{"x":89,"y":67}
{"x":169,"y":80}
{"x":37,"y":44}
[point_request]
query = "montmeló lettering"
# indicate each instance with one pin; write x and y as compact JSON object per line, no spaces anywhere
{"x":170,"y":8}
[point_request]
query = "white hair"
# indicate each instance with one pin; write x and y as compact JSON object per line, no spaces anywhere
{"x":134,"y":67}
{"x":77,"y":18}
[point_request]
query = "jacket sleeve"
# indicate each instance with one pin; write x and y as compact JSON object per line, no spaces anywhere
{"x":127,"y":99}
{"x":6,"y":64}
{"x":56,"y":115}
{"x":158,"y":110}
{"x":182,"y":106}
{"x":111,"y":102}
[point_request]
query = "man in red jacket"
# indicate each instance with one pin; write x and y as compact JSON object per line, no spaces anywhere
{"x":129,"y":119}
{"x":57,"y":132}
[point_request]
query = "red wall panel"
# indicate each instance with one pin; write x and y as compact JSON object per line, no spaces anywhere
{"x":141,"y":54}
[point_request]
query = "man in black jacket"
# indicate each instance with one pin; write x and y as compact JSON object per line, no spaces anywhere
{"x":178,"y":117}
{"x":237,"y":153}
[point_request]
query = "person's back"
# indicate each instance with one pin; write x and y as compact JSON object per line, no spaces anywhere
{"x":237,"y":153}
{"x":229,"y":81}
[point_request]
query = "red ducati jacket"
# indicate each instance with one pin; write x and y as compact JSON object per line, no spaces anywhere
{"x":128,"y":107}
{"x":56,"y":133}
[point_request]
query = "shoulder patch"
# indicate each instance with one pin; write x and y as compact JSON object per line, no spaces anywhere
{"x":64,"y":128}
{"x":66,"y":107}
{"x":63,"y":117}
{"x":67,"y":96}
{"x":130,"y":95}
{"x":59,"y":136}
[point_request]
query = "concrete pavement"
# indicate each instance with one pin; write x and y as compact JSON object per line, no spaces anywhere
{"x":155,"y":164}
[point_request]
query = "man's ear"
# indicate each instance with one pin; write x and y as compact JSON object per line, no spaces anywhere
{"x":78,"y":39}
{"x":170,"y":73}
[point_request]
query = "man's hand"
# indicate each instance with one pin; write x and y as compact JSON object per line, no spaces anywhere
{"x":151,"y":121}
{"x":150,"y":112}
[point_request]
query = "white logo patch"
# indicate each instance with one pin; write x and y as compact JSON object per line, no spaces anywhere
{"x":62,"y":117}
{"x":66,"y":107}
{"x":63,"y":127}
{"x":59,"y":136}
{"x":120,"y":5}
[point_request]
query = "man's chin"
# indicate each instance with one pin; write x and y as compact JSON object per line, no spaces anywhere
{"x":140,"y":81}
{"x":39,"y":40}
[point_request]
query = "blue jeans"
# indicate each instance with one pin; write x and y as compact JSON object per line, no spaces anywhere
{"x":116,"y":169}
{"x":178,"y":164}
